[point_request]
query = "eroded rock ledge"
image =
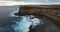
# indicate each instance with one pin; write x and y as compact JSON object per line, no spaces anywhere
{"x":52,"y":12}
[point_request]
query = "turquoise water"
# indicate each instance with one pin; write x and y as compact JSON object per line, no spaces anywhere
{"x":24,"y":22}
{"x":12,"y":23}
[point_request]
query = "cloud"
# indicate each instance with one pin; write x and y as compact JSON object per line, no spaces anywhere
{"x":11,"y":3}
{"x":8,"y":0}
{"x":34,"y":0}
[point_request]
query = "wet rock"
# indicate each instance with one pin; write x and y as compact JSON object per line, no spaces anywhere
{"x":52,"y":12}
{"x":39,"y":28}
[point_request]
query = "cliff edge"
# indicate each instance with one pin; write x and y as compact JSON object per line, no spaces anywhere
{"x":51,"y":12}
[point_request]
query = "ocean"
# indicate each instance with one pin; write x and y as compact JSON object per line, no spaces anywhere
{"x":12,"y":23}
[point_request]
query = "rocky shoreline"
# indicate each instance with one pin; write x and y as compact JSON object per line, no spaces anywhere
{"x":51,"y":12}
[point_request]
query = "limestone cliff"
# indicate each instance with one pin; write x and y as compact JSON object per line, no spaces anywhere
{"x":52,"y":12}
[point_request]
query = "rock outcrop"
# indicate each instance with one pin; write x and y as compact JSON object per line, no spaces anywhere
{"x":52,"y":12}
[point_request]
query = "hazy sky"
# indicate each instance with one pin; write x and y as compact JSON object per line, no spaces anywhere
{"x":23,"y":2}
{"x":41,"y":0}
{"x":34,"y":0}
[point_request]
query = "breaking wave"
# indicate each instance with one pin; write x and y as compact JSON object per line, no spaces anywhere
{"x":24,"y":22}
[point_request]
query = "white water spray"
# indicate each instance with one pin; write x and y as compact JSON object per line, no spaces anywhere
{"x":25,"y":22}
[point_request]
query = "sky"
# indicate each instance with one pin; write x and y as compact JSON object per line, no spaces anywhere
{"x":34,"y":0}
{"x":28,"y":2}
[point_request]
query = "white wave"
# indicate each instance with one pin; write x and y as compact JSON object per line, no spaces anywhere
{"x":12,"y":14}
{"x":26,"y":21}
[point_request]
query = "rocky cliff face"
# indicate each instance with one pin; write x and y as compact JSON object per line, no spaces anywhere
{"x":51,"y":12}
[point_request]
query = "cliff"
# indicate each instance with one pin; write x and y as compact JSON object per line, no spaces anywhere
{"x":51,"y":12}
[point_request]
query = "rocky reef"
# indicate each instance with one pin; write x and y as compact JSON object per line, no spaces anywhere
{"x":50,"y":11}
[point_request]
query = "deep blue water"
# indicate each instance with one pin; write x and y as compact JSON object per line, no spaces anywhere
{"x":12,"y":23}
{"x":5,"y":20}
